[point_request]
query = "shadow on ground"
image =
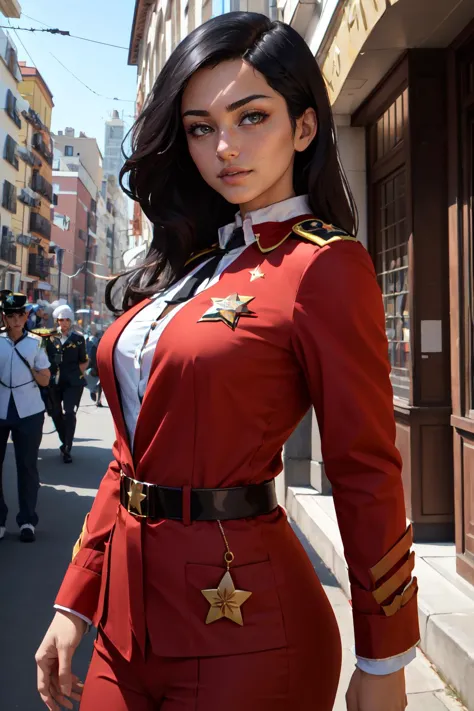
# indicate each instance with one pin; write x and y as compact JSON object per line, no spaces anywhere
{"x":30,"y":574}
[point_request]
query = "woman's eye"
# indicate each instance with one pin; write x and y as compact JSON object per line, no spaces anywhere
{"x":254,"y":117}
{"x":199,"y":129}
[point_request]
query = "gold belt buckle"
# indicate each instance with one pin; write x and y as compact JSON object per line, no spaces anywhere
{"x":135,"y":497}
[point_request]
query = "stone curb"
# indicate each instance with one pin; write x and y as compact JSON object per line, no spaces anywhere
{"x":446,"y":614}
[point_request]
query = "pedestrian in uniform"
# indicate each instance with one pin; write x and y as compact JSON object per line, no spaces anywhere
{"x":95,"y":387}
{"x":24,"y":367}
{"x":67,"y":353}
{"x":203,"y":596}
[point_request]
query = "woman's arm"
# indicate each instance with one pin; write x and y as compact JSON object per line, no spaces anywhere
{"x":340,"y":342}
{"x":81,"y":584}
{"x":82,"y":355}
{"x":42,"y":377}
{"x":40,"y":370}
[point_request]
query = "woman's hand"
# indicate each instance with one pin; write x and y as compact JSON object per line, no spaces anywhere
{"x":56,"y":683}
{"x":368,"y":692}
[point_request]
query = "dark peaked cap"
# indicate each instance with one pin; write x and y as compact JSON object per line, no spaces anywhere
{"x":11,"y":302}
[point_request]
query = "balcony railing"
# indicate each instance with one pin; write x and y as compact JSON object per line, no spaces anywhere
{"x":33,"y":118}
{"x":40,"y":225}
{"x":28,"y":197}
{"x":41,"y":185}
{"x":7,"y":246}
{"x":40,"y":146}
{"x":39,"y":266}
{"x":29,"y":157}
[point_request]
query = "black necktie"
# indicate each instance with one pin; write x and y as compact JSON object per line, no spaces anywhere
{"x":192,"y":284}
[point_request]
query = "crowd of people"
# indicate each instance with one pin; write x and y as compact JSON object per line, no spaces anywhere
{"x":45,"y":364}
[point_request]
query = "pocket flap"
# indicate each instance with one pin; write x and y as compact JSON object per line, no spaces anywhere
{"x":262,"y":627}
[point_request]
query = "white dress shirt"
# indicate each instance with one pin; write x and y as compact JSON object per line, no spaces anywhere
{"x":133,"y":353}
{"x":16,"y":379}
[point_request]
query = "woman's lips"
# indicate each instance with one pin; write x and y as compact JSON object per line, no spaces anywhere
{"x":235,"y":177}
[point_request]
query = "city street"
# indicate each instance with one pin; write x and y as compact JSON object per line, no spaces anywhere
{"x":31,"y":574}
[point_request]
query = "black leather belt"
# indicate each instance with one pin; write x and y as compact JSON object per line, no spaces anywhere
{"x":157,"y":502}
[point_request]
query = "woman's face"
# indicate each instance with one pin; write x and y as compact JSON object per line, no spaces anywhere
{"x":240,"y":135}
{"x":64,"y":324}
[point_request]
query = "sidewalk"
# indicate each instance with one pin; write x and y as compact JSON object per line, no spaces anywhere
{"x":446,"y":608}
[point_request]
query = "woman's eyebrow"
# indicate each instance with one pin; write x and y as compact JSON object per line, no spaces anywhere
{"x":231,"y":107}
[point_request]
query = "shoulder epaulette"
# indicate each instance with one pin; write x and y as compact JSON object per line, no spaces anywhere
{"x":321,"y":233}
{"x":198,"y":255}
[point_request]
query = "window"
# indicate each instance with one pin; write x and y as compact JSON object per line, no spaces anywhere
{"x":68,"y":150}
{"x":391,"y":264}
{"x":9,"y":196}
{"x":9,"y":152}
{"x":390,"y":127}
{"x":390,"y":233}
{"x":11,"y":109}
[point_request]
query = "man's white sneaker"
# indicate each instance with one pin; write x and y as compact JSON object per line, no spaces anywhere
{"x":2,"y":532}
{"x":27,"y":533}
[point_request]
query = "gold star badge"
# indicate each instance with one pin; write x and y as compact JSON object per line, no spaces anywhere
{"x":135,"y":497}
{"x":225,"y":601}
{"x":228,"y":310}
{"x":256,"y":274}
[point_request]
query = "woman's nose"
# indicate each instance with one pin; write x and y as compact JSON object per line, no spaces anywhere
{"x":227,"y":148}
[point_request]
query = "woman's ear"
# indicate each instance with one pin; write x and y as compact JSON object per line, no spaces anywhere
{"x":306,"y":130}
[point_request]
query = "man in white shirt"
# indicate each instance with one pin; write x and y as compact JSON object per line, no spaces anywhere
{"x":24,"y":368}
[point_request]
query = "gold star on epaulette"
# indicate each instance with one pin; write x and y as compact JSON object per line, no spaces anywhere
{"x":320,"y":232}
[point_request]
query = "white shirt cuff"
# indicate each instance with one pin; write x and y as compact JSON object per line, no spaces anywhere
{"x":380,"y":667}
{"x":73,"y":612}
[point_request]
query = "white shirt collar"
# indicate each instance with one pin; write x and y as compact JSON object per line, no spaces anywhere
{"x":278,"y":212}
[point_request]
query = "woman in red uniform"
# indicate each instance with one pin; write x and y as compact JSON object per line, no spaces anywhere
{"x":203,"y":597}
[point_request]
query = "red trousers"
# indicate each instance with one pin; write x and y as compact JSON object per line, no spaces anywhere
{"x":301,"y":678}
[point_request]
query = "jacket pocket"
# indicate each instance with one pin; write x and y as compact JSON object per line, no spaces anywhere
{"x":262,"y":628}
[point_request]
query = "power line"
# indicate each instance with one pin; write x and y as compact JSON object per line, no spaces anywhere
{"x":32,"y":18}
{"x":65,"y":33}
{"x":19,"y":40}
{"x":110,"y":98}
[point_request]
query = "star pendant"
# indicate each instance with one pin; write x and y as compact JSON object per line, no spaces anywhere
{"x":225,"y":601}
{"x":228,"y":310}
{"x":256,"y":274}
{"x":135,"y":497}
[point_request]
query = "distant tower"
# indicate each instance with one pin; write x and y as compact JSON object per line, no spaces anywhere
{"x":114,"y":134}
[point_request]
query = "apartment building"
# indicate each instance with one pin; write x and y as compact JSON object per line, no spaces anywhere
{"x":11,"y":123}
{"x":34,"y":186}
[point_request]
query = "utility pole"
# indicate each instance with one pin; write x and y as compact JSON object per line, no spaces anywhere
{"x":86,"y":267}
{"x":59,"y":259}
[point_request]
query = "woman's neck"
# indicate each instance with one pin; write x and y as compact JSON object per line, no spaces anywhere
{"x":15,"y":334}
{"x":265,"y":200}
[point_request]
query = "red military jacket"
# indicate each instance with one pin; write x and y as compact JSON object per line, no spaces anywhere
{"x":219,"y":405}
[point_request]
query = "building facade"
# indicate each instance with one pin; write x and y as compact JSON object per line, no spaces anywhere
{"x":114,"y":135}
{"x":404,"y":115}
{"x":75,"y":215}
{"x":34,"y":187}
{"x":10,"y":126}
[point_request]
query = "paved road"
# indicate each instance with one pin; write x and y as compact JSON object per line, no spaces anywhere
{"x":30,"y":574}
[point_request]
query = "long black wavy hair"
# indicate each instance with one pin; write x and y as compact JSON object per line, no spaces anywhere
{"x":185,"y":211}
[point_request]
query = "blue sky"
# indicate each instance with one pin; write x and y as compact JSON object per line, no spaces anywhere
{"x":104,"y":69}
